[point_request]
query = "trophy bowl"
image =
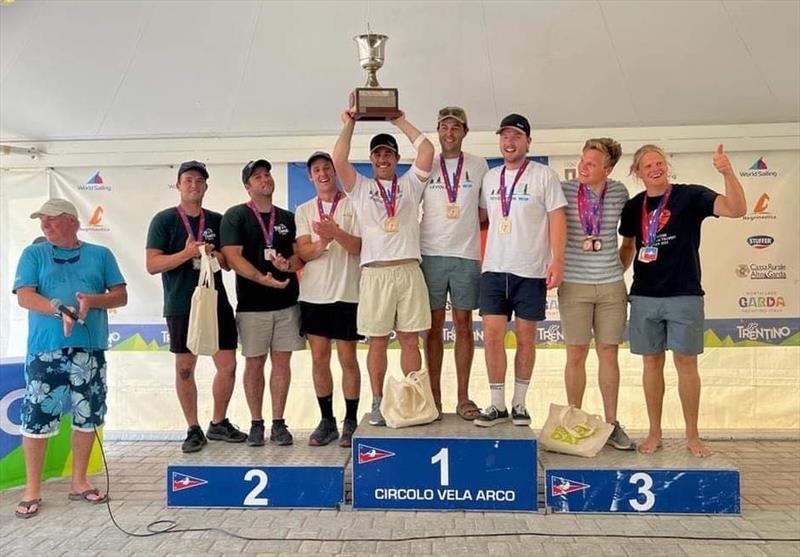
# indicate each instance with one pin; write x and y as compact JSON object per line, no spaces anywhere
{"x":373,"y":102}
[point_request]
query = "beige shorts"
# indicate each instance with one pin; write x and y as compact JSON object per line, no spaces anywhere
{"x":393,"y":298}
{"x":585,"y":309}
{"x":261,"y":332}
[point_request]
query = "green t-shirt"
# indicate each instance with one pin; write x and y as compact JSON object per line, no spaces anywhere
{"x":167,"y":233}
{"x":240,"y":228}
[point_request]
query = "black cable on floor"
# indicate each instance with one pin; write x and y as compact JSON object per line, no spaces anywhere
{"x":158,"y":527}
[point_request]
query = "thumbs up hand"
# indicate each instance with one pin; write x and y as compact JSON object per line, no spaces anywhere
{"x":721,"y":161}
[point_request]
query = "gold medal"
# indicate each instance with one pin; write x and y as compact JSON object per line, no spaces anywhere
{"x":453,"y":211}
{"x":587,"y":244}
{"x":505,"y":226}
{"x":391,"y":225}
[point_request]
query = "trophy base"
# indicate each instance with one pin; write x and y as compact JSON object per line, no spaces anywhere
{"x":374,"y":103}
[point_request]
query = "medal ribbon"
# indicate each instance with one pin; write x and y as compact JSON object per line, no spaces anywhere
{"x":335,"y":202}
{"x":266,"y":231}
{"x":590,"y":209}
{"x":185,"y":219}
{"x":390,"y":202}
{"x":452,"y":190}
{"x":650,"y":222}
{"x":505,"y":202}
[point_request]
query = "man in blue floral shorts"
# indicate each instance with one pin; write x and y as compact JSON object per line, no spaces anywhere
{"x":66,"y":359}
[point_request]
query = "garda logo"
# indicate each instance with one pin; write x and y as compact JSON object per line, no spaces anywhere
{"x":758,"y":169}
{"x":760,"y":302}
{"x":95,"y":221}
{"x":95,"y":183}
{"x":760,"y":209}
{"x":761,"y":271}
{"x":760,"y":241}
{"x":754,"y":331}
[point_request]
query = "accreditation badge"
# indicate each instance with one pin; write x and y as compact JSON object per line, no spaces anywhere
{"x":453,"y":211}
{"x":505,"y":226}
{"x":214,"y":263}
{"x":648,"y":254}
{"x":391,"y":225}
{"x":196,"y":263}
{"x":269,"y":253}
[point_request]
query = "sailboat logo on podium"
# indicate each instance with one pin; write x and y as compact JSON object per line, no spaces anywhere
{"x":562,"y":486}
{"x":184,"y":481}
{"x":368,"y":454}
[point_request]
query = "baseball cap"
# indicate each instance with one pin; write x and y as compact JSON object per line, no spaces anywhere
{"x":318,"y":155}
{"x":193,"y":165}
{"x":55,"y":207}
{"x":515,"y":121}
{"x":455,"y":112}
{"x":383,"y":140}
{"x":251,"y":166}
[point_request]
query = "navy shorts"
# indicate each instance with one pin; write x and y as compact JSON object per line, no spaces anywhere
{"x":336,"y":321}
{"x":504,"y":294}
{"x":178,"y":327}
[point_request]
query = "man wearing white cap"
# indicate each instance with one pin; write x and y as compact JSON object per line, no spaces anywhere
{"x":450,"y":245}
{"x":61,"y":282}
{"x":393,"y":294}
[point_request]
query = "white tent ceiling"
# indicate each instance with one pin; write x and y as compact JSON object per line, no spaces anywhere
{"x":126,"y":69}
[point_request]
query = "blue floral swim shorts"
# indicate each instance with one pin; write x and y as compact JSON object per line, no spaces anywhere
{"x":54,"y":380}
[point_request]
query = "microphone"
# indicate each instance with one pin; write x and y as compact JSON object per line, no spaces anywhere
{"x":61,"y":308}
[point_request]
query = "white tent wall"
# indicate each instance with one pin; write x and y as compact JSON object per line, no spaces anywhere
{"x":755,"y":388}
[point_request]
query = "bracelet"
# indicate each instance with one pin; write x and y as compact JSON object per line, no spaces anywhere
{"x":418,"y":141}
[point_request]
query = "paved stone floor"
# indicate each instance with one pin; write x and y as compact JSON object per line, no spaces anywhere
{"x":770,"y":511}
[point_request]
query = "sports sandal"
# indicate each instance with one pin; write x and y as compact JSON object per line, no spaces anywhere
{"x":468,"y":410}
{"x":84,"y":496}
{"x":27,"y":506}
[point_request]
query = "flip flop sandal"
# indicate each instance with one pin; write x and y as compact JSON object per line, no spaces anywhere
{"x":468,"y":410}
{"x":85,"y":497}
{"x":27,"y":506}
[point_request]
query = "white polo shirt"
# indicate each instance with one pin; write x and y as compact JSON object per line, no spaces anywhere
{"x":453,"y":237}
{"x":376,"y":243}
{"x":524,"y":252}
{"x":334,"y":275}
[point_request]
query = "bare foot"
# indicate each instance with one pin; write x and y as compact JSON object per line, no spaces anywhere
{"x":650,"y":445}
{"x":697,"y":448}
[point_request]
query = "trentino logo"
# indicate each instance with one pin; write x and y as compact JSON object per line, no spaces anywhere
{"x":95,"y":183}
{"x":759,"y":168}
{"x":760,"y":209}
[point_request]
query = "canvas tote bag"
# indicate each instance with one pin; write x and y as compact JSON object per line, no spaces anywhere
{"x":409,"y":401}
{"x":203,"y":336}
{"x":572,"y":431}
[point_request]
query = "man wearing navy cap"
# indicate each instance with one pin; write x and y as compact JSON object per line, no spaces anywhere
{"x":329,"y":241}
{"x":393,"y":294}
{"x":174,"y":240}
{"x":524,"y":257}
{"x":258,"y":240}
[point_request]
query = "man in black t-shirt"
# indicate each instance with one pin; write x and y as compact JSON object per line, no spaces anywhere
{"x":174,"y":240}
{"x":258,"y":240}
{"x":661,"y":229}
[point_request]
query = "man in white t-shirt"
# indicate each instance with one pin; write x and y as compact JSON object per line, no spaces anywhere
{"x":393,"y":295}
{"x":328,"y":240}
{"x":524,"y":258}
{"x":450,"y":235}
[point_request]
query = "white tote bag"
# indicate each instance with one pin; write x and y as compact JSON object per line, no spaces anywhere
{"x":570,"y":430}
{"x":203,"y":336}
{"x":409,"y":401}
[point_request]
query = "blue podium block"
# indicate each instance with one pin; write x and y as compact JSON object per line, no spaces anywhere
{"x":238,"y":476}
{"x":447,"y":465}
{"x":670,"y":481}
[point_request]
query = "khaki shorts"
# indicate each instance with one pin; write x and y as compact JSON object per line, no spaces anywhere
{"x":393,"y":298}
{"x":601,"y":309}
{"x":262,"y":332}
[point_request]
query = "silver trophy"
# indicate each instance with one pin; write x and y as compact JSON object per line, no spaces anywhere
{"x":373,"y":102}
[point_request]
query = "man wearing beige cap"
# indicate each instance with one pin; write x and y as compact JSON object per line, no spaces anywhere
{"x":63,"y":282}
{"x":450,"y":245}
